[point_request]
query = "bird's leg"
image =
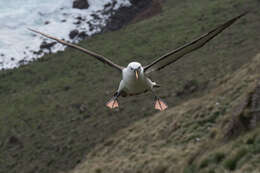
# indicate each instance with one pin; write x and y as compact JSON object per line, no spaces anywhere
{"x":159,"y":103}
{"x":113,"y":103}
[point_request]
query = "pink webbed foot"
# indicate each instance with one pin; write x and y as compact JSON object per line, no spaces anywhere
{"x":160,"y":105}
{"x":112,"y":104}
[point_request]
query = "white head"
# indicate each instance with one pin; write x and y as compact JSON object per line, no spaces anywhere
{"x":136,"y":68}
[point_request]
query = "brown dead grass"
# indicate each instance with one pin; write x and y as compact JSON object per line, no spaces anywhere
{"x":173,"y":140}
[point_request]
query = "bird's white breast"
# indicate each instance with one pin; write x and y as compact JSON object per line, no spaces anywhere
{"x":132,"y":85}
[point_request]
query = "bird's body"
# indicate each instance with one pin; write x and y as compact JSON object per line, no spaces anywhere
{"x":134,"y":80}
{"x":130,"y":85}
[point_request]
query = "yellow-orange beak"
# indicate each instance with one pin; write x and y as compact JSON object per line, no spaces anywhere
{"x":136,"y":75}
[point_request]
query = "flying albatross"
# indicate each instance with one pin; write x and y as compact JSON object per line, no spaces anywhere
{"x":134,"y":76}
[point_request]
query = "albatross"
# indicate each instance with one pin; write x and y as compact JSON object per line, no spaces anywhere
{"x":134,"y":76}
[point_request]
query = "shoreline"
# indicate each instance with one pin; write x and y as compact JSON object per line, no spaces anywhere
{"x":118,"y":18}
{"x":19,"y":46}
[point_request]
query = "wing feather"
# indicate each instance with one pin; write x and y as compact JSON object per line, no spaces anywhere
{"x":176,"y":54}
{"x":93,"y":54}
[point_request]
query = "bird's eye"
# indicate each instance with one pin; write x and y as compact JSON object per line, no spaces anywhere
{"x":132,"y":68}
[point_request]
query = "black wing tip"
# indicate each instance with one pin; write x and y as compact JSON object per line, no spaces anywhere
{"x":244,"y":13}
{"x":30,"y":29}
{"x":222,"y":27}
{"x":233,"y":20}
{"x":35,"y":31}
{"x":241,"y":15}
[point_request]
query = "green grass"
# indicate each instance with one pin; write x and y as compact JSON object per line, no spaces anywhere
{"x":231,"y":163}
{"x":216,"y":158}
{"x":52,"y":111}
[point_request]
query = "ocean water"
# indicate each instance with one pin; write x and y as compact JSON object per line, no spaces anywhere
{"x":18,"y":44}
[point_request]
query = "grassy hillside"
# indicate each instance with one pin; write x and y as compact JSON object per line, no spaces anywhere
{"x":52,"y":111}
{"x":210,"y":134}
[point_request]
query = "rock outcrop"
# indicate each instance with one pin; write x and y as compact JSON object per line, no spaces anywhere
{"x":126,"y":14}
{"x":80,"y":4}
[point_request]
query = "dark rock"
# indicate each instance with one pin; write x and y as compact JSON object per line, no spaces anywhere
{"x":91,"y":27}
{"x":46,"y":45}
{"x":22,"y":62}
{"x":80,"y":4}
{"x":140,"y":4}
{"x":95,"y":16}
{"x":37,"y":52}
{"x":118,"y":19}
{"x":79,"y":18}
{"x":82,"y":35}
{"x":124,"y":15}
{"x":77,"y":23}
{"x":73,"y":33}
{"x":108,"y":5}
{"x":15,"y":141}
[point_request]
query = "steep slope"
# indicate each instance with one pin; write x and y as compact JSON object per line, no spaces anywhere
{"x":52,"y":111}
{"x":212,"y":133}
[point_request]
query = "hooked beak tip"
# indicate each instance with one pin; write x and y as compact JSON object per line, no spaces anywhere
{"x":136,"y":74}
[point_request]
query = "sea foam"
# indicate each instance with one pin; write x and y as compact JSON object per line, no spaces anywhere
{"x":18,"y":45}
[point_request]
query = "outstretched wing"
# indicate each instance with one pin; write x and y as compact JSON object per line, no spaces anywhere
{"x":176,"y":54}
{"x":93,"y":54}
